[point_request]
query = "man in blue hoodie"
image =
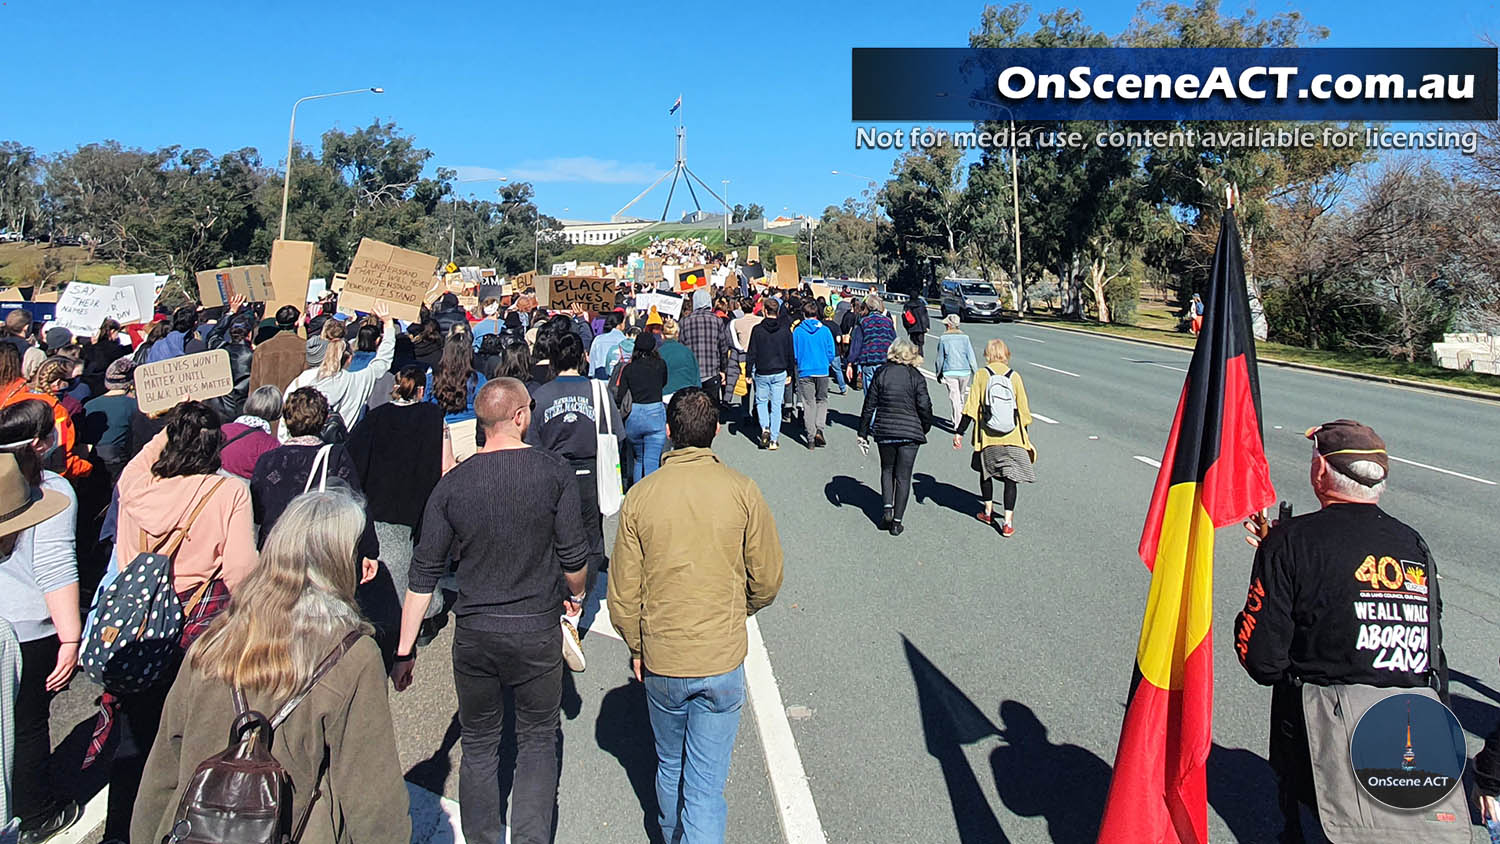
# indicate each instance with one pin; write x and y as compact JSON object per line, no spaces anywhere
{"x":812,"y":343}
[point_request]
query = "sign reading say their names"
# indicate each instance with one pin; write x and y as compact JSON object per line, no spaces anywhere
{"x":83,"y":307}
{"x":402,"y":277}
{"x":200,"y":376}
{"x":591,"y":292}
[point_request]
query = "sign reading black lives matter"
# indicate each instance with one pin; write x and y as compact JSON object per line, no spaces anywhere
{"x":1408,"y":751}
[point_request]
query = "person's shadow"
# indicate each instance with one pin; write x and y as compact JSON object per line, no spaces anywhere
{"x":623,"y":729}
{"x":926,"y":488}
{"x":1063,"y":783}
{"x":842,"y":489}
{"x":1242,"y":790}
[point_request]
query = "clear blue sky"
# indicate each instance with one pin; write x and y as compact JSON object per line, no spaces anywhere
{"x":570,"y":96}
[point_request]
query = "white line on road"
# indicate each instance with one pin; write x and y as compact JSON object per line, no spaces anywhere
{"x":794,"y":801}
{"x":1049,"y":420}
{"x":931,"y":376}
{"x":93,"y":816}
{"x":1052,"y":369}
{"x":1148,"y":461}
{"x":1444,"y":471}
{"x":1154,"y":363}
{"x":1032,"y":339}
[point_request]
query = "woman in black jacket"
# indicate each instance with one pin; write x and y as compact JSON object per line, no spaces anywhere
{"x":898,"y":412}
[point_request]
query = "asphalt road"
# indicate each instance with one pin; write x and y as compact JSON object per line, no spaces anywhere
{"x":950,"y":685}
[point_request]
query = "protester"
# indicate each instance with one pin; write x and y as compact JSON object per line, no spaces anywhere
{"x":1302,"y":619}
{"x":644,"y":378}
{"x":702,"y":331}
{"x":241,"y":360}
{"x":367,"y":342}
{"x":427,"y":344}
{"x":328,"y":356}
{"x":249,"y":435}
{"x":279,"y":358}
{"x":871,"y":341}
{"x":955,"y":365}
{"x":510,"y":590}
{"x":1195,"y":313}
{"x":159,"y":330}
{"x":897,"y":414}
{"x":19,"y":330}
{"x":454,"y":382}
{"x":39,"y":598}
{"x":99,"y":353}
{"x":604,"y":344}
{"x":685,"y":624}
{"x":542,"y":348}
{"x":491,"y":324}
{"x":106,"y":418}
{"x":566,"y":422}
{"x":682,"y":366}
{"x":488,"y":352}
{"x":397,"y":451}
{"x":14,"y":388}
{"x":181,"y":340}
{"x":772,"y":355}
{"x":813,"y":344}
{"x":738,"y":333}
{"x":448,"y":313}
{"x":174,"y":476}
{"x":998,"y":408}
{"x":338,"y":744}
{"x":917,"y":322}
{"x":515,"y":362}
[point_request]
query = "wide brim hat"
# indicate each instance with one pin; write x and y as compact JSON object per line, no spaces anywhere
{"x":22,"y":505}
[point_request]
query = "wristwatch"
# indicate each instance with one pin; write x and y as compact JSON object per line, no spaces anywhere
{"x":578,"y":599}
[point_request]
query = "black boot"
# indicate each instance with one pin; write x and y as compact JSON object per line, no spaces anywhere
{"x":896,"y":527}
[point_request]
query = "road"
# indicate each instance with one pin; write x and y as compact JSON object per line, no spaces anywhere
{"x":950,"y":685}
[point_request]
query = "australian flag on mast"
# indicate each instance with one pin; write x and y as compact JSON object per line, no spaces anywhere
{"x":675,"y":106}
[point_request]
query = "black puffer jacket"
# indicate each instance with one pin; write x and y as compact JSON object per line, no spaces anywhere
{"x":897,"y":406}
{"x":240,"y":359}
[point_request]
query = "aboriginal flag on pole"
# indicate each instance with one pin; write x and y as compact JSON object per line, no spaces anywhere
{"x":1213,"y":474}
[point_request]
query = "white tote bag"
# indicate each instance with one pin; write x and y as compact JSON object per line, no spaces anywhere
{"x":606,"y":454}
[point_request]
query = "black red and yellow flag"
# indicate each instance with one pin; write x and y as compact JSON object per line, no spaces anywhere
{"x":1213,"y":473}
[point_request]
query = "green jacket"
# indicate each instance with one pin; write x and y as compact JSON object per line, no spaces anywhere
{"x":696,"y":554}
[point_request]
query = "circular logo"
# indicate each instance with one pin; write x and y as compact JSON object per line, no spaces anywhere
{"x":1408,"y":751}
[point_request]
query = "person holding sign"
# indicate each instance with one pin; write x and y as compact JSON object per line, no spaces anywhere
{"x":329,"y":355}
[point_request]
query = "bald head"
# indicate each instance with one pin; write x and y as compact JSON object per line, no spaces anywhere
{"x":498,"y":400}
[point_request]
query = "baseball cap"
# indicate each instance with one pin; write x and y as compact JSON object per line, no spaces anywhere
{"x":1343,"y":442}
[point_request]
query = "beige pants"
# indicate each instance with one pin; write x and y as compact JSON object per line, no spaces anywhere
{"x":958,"y":393}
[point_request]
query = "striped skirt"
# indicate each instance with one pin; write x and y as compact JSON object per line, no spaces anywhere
{"x":1007,"y":462}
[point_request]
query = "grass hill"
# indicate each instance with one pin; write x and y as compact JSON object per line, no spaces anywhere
{"x":23,"y":264}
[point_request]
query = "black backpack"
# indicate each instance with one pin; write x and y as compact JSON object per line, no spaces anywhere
{"x":243,"y":795}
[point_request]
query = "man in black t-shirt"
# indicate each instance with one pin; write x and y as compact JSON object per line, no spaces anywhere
{"x":1345,"y":595}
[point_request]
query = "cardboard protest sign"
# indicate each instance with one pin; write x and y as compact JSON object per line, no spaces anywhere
{"x":291,"y":264}
{"x":752,"y":255}
{"x":316,"y":287}
{"x":83,"y":307}
{"x":337,"y":283}
{"x":469,"y":303}
{"x":594,"y":293}
{"x":822,"y":291}
{"x":754,"y":272}
{"x":666,"y":304}
{"x":205,"y":375}
{"x":560,"y":269}
{"x":525,"y":281}
{"x":146,"y":287}
{"x":651,"y":272}
{"x":215,"y":287}
{"x":691,"y":279}
{"x":543,"y":290}
{"x":787,"y":274}
{"x":402,"y":277}
{"x":487,"y":274}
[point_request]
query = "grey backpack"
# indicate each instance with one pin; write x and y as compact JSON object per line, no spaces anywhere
{"x":1000,"y":410}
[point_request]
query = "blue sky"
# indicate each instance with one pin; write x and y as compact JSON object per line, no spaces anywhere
{"x":570,"y":96}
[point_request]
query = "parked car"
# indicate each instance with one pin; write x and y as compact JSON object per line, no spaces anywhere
{"x":10,"y":237}
{"x":972,"y":299}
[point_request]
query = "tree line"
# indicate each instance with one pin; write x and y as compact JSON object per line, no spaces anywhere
{"x":1344,"y":249}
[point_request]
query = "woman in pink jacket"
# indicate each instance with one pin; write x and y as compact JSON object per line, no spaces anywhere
{"x":158,"y":491}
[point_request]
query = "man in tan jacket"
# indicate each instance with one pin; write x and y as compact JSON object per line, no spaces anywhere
{"x":696,"y":554}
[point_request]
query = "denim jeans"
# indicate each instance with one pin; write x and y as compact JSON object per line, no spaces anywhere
{"x":646,"y":427}
{"x":768,"y":395}
{"x":867,"y":373}
{"x":838,"y":372}
{"x":485,"y":664}
{"x":695,"y":720}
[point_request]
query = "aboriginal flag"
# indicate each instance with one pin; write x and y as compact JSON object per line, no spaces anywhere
{"x":1213,"y":473}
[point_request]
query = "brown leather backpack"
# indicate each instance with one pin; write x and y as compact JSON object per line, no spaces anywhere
{"x":243,"y":795}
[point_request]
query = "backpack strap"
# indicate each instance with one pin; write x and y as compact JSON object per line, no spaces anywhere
{"x":173,"y":540}
{"x":321,"y":460}
{"x":318,"y":673}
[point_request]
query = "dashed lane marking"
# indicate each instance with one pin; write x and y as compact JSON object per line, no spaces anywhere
{"x":1154,"y":363}
{"x":1049,"y":420}
{"x":1440,"y":469}
{"x":1148,"y":461}
{"x":1053,"y":369}
{"x":1032,"y":339}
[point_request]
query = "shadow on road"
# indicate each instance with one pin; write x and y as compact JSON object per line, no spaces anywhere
{"x":842,"y":490}
{"x":1242,"y":789}
{"x":926,"y":488}
{"x":623,"y":730}
{"x":432,"y":773}
{"x":1062,"y":783}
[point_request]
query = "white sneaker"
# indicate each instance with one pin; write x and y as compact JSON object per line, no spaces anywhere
{"x":572,"y":648}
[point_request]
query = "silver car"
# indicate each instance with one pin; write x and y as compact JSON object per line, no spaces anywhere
{"x":972,"y":299}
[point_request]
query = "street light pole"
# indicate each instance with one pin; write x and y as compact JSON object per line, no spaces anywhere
{"x":291,"y":133}
{"x":1015,"y":189}
{"x":726,"y":212}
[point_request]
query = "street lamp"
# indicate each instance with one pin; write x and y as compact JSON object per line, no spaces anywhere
{"x":726,"y":212}
{"x":1015,"y":189}
{"x":291,"y":132}
{"x":874,"y":219}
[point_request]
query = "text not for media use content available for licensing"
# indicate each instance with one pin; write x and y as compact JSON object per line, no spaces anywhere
{"x":1465,"y":141}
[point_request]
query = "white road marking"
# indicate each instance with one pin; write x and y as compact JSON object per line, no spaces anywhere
{"x":1148,"y":461}
{"x":1052,"y":369}
{"x":1444,"y":471}
{"x":1154,"y":363}
{"x":1049,"y":420}
{"x":1032,"y":339}
{"x":931,"y":376}
{"x":435,"y":819}
{"x":794,"y":801}
{"x":91,"y":819}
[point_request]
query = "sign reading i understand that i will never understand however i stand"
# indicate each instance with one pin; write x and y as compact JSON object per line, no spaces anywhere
{"x":401,"y":277}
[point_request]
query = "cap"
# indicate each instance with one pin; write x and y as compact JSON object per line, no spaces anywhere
{"x":57,"y":337}
{"x":1343,"y":442}
{"x":317,"y":347}
{"x":120,"y":374}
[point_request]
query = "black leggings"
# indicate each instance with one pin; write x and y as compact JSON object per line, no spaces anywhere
{"x":896,"y":462}
{"x":987,"y":491}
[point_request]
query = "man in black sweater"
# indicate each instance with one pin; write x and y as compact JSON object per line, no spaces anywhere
{"x":509,"y":515}
{"x":771,"y":357}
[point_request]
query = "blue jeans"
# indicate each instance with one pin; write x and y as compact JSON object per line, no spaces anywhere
{"x":867,"y":374}
{"x":838,"y":372}
{"x":769,"y":390}
{"x":695,"y":720}
{"x":646,"y":427}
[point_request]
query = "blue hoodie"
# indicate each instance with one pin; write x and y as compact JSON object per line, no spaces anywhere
{"x":812,"y":343}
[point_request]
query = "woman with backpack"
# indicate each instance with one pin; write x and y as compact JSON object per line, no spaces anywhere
{"x":955,"y":365}
{"x":897,"y":414}
{"x":292,"y":616}
{"x":1001,"y":415}
{"x":172,"y":499}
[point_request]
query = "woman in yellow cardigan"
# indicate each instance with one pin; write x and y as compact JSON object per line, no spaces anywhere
{"x":1008,"y":456}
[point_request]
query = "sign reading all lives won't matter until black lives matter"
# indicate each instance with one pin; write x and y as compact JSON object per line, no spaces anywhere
{"x":200,"y":376}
